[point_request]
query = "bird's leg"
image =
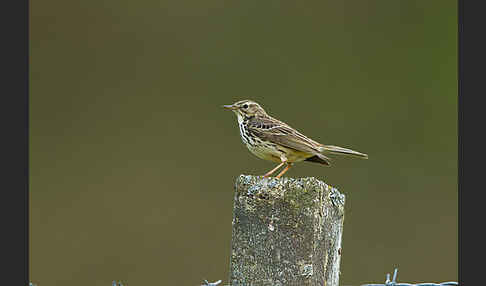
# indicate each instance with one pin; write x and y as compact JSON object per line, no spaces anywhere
{"x":284,"y":170}
{"x":273,"y":170}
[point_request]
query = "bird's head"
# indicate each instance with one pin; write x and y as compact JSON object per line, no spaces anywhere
{"x":246,"y":109}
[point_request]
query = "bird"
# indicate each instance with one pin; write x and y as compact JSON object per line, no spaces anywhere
{"x":274,"y":140}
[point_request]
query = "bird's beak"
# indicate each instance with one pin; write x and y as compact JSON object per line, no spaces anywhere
{"x":230,"y":107}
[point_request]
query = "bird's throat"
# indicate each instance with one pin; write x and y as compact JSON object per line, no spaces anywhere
{"x":241,"y":118}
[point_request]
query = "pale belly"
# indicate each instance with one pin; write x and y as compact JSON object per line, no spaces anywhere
{"x":271,"y":152}
{"x":267,"y":152}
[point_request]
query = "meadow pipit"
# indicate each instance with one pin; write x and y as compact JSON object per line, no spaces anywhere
{"x":273,"y":140}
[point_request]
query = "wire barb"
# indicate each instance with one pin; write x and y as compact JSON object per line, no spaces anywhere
{"x":206,"y":283}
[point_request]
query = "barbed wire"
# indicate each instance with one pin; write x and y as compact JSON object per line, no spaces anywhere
{"x":393,"y":282}
{"x":388,"y":282}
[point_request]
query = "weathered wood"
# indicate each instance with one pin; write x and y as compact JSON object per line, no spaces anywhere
{"x":286,"y":232}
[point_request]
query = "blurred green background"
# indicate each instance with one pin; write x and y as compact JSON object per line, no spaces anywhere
{"x":133,"y":161}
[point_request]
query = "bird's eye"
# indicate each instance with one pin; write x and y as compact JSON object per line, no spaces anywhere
{"x":245,"y":106}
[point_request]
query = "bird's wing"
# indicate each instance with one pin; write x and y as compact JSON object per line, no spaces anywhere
{"x":275,"y":131}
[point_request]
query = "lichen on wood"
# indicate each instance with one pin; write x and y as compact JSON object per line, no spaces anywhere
{"x":286,"y":232}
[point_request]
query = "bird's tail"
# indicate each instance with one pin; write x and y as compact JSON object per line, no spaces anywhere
{"x":342,"y":151}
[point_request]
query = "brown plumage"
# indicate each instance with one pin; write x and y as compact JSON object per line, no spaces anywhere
{"x":273,"y":140}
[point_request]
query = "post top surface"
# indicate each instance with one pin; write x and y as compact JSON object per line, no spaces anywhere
{"x":273,"y":187}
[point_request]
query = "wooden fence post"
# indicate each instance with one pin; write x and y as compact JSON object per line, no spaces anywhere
{"x":286,"y":232}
